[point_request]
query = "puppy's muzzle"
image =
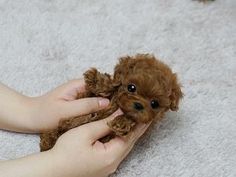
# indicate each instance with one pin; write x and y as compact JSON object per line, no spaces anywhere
{"x":138,"y":106}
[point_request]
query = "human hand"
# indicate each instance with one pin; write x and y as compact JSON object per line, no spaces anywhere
{"x":79,"y":152}
{"x":61,"y":103}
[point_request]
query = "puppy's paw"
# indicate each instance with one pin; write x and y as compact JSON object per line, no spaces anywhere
{"x":90,"y":78}
{"x":98,"y":83}
{"x":121,"y":125}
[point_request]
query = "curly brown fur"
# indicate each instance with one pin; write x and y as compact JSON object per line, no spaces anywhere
{"x":143,"y":87}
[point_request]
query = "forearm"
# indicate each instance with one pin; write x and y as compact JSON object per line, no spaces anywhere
{"x":15,"y":110}
{"x":37,"y":165}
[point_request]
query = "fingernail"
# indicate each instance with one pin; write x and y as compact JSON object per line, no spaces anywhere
{"x":103,"y":102}
{"x":145,"y":126}
{"x":142,"y":126}
{"x":118,"y":112}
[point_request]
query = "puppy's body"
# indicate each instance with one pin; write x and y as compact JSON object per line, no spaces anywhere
{"x":142,"y":87}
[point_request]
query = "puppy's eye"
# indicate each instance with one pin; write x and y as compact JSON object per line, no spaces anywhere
{"x":154,"y":104}
{"x":131,"y":88}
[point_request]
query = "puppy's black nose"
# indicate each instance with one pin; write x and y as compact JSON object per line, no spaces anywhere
{"x":138,"y":106}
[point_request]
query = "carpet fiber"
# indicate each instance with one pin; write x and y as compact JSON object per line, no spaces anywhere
{"x":45,"y":43}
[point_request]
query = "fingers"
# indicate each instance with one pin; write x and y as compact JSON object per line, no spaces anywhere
{"x":121,"y":146}
{"x":134,"y":136}
{"x":138,"y":132}
{"x":98,"y":129}
{"x":84,"y":106}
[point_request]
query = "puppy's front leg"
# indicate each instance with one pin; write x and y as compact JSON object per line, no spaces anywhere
{"x":121,"y":125}
{"x":98,"y":83}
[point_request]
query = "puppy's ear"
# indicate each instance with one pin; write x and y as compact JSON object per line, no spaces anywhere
{"x":176,"y":94}
{"x":123,"y":68}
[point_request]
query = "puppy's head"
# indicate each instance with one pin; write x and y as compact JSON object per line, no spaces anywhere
{"x":148,"y":88}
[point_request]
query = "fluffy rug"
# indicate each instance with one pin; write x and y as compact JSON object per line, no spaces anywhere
{"x":45,"y":43}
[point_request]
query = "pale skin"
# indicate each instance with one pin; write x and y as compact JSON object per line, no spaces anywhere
{"x":77,"y":153}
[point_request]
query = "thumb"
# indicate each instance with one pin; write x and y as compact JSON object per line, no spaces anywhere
{"x":121,"y":146}
{"x":84,"y":106}
{"x":98,"y":129}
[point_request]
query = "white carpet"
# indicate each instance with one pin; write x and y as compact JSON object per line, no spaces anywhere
{"x":44,"y":43}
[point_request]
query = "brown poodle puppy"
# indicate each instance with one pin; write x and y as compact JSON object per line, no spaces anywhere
{"x":143,"y":87}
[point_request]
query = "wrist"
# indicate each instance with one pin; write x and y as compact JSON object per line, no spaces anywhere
{"x":51,"y":165}
{"x":34,"y":114}
{"x":29,"y":113}
{"x":15,"y":110}
{"x":37,"y":165}
{"x":58,"y":165}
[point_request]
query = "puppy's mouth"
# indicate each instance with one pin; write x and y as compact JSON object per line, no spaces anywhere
{"x":133,"y":116}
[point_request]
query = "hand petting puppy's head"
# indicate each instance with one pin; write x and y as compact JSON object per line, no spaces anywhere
{"x":148,"y":87}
